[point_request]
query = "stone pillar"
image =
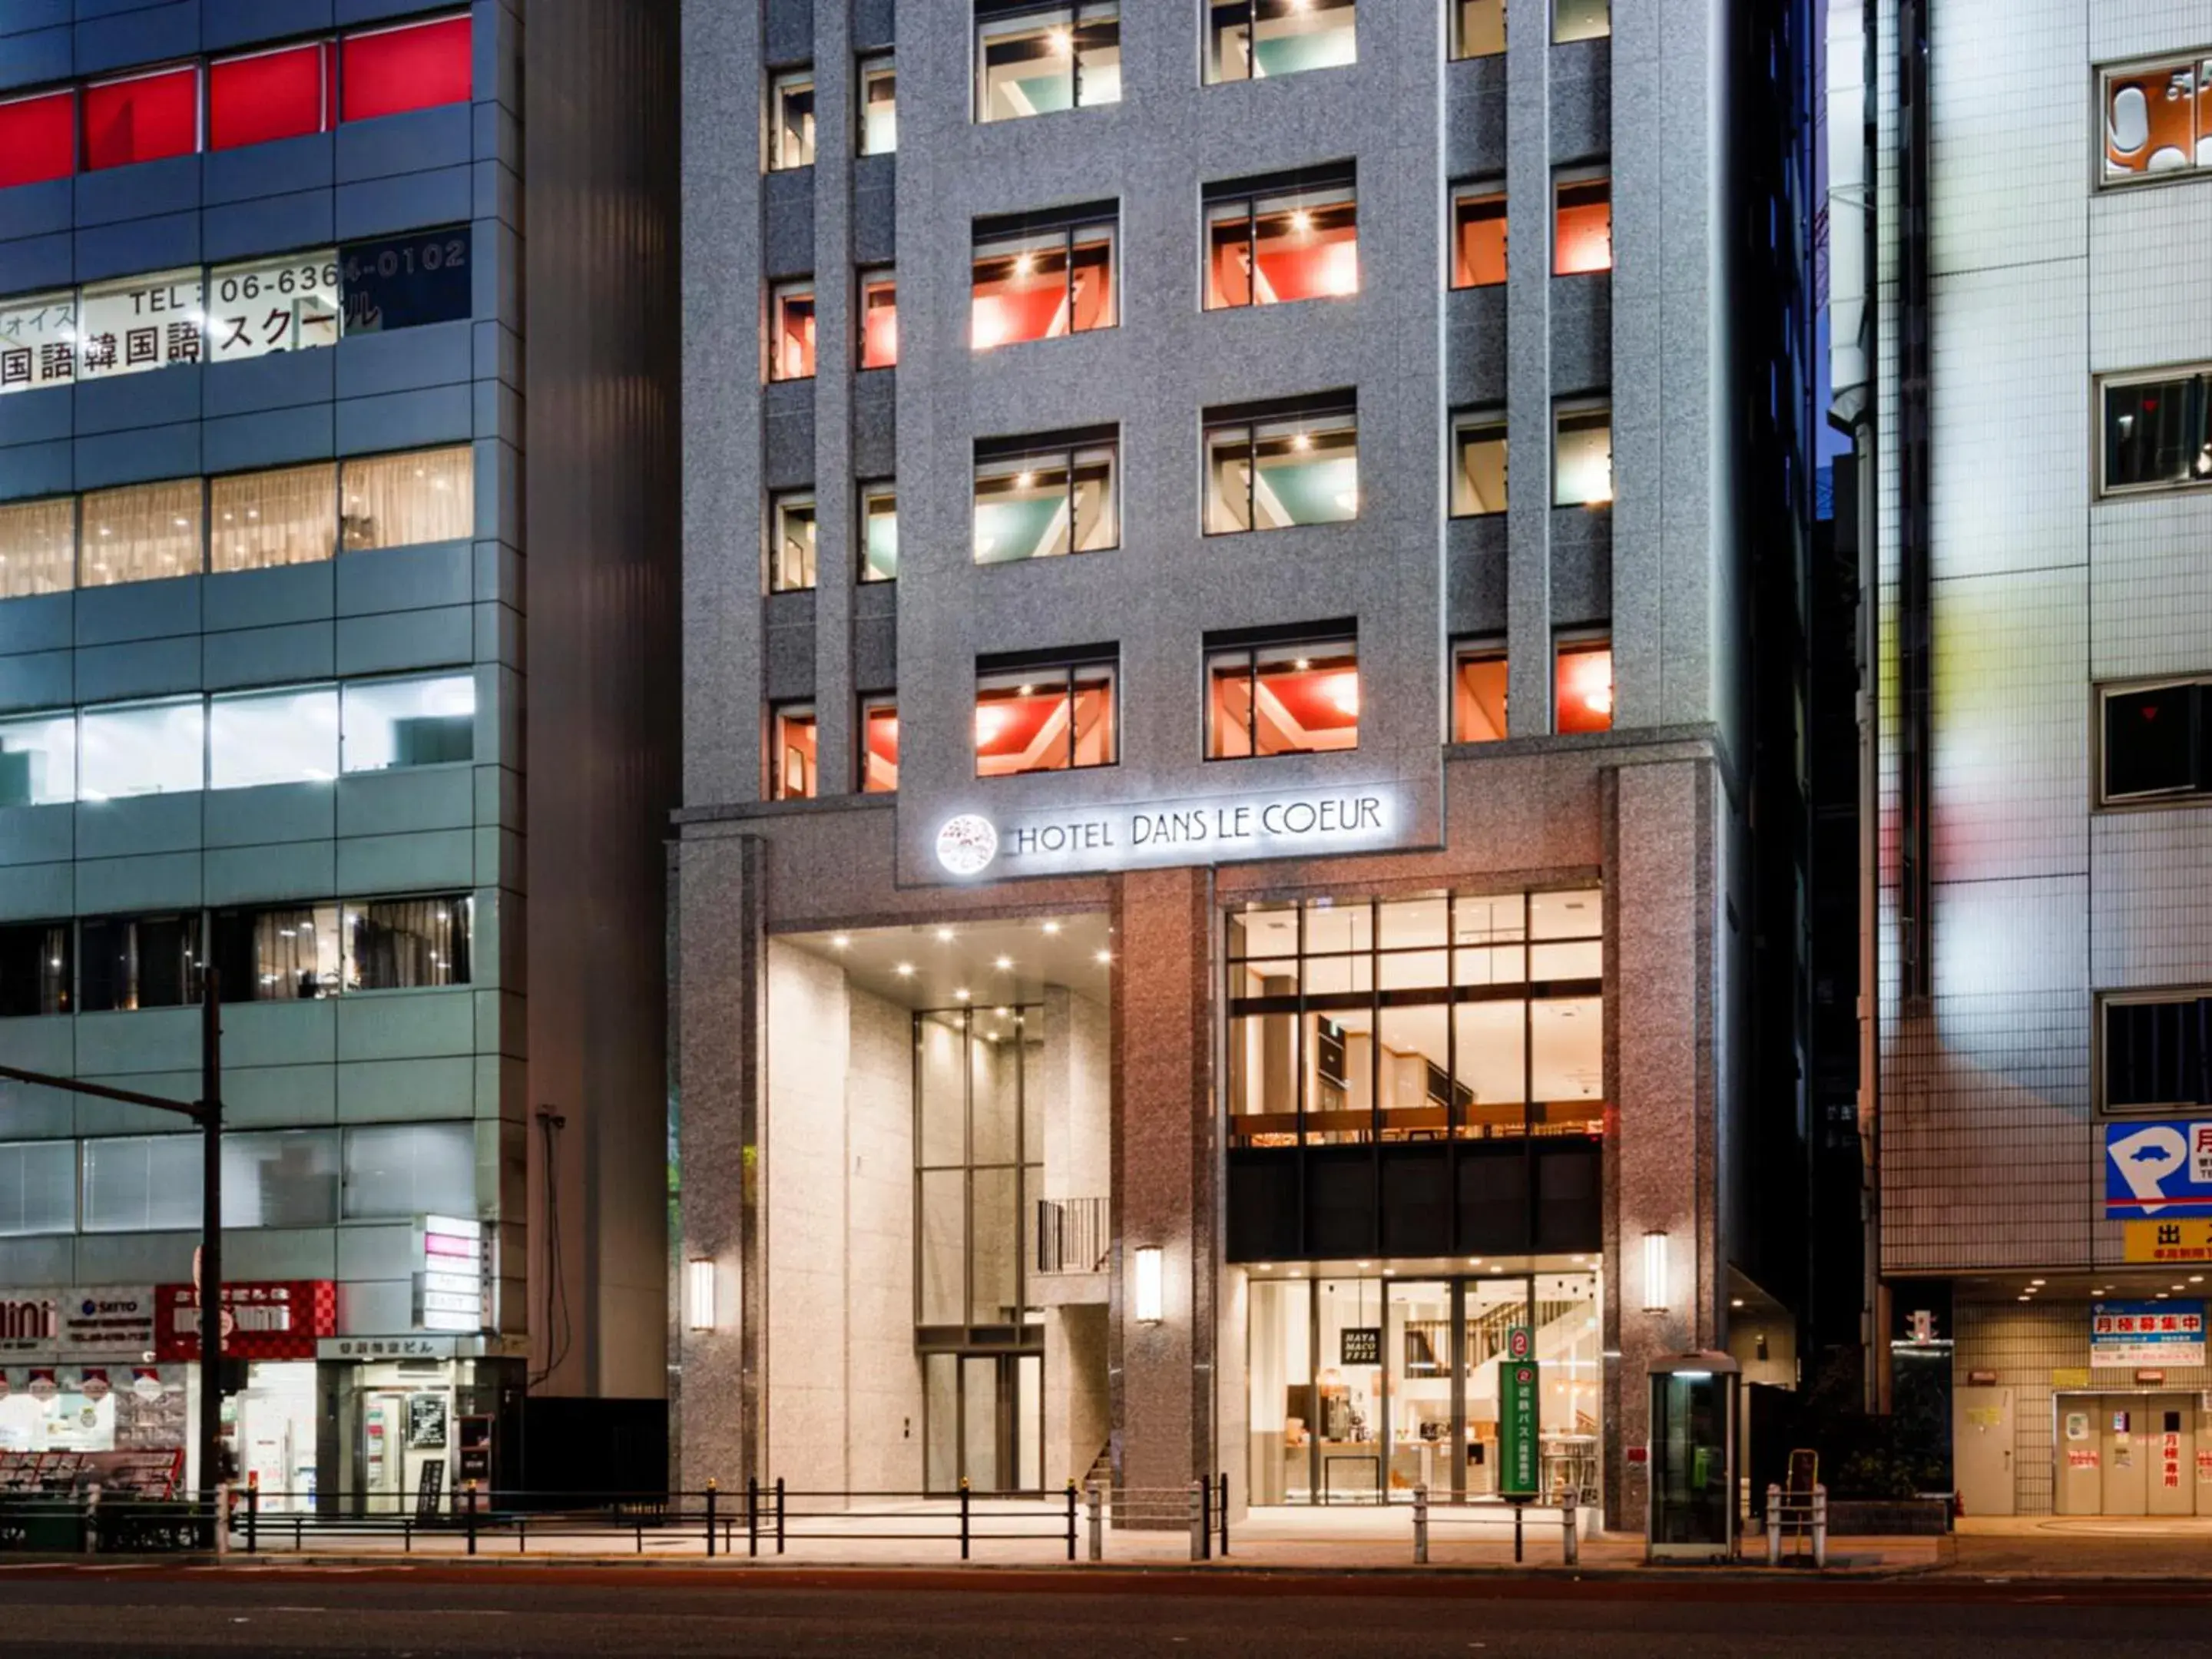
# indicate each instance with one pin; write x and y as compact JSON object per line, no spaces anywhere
{"x":719,"y":993}
{"x":1663,"y":978}
{"x":1164,"y":1177}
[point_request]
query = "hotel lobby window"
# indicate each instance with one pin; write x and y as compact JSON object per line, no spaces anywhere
{"x":1581,"y":221}
{"x":260,"y":520}
{"x":1467,"y":1017}
{"x":791,"y":567}
{"x":2157,"y":432}
{"x":1581,"y":694}
{"x":140,"y":533}
{"x":1478,"y":28}
{"x":791,"y":757}
{"x":879,"y":745}
{"x":1038,"y":277}
{"x":38,"y":547}
{"x":1295,"y":236}
{"x":791,"y":120}
{"x":1296,"y":697}
{"x":878,"y":319}
{"x":790,"y":330}
{"x":1254,"y":39}
{"x":1269,"y":466}
{"x":1039,"y":497}
{"x":1479,"y":685}
{"x":1581,"y":19}
{"x":1046,"y":715}
{"x":1478,"y":481}
{"x":1582,"y":452}
{"x":879,"y":106}
{"x":1032,"y":59}
{"x":878,"y":531}
{"x":1479,"y":235}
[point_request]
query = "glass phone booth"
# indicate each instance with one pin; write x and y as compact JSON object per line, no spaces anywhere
{"x":1694,"y":1402}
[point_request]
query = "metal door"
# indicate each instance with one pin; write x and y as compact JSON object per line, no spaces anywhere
{"x":2127,"y":1452}
{"x":2081,"y":1457}
{"x":2170,"y":1472}
{"x":1981,"y":1450}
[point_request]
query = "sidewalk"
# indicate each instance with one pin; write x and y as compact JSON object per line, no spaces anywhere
{"x":2058,"y":1546}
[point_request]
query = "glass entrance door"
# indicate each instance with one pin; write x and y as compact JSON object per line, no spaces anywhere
{"x":984,"y":1422}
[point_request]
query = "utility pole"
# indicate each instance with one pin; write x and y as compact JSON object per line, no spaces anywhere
{"x":207,"y":1112}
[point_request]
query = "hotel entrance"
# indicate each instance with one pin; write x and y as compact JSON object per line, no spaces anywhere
{"x":1365,"y":1387}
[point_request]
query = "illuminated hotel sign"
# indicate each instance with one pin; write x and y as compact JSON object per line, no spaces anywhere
{"x":1216,"y":830}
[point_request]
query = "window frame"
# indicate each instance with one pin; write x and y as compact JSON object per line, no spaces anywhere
{"x":2199,"y":377}
{"x":1455,"y":47}
{"x":1308,"y":190}
{"x":196,"y":67}
{"x":1220,"y":650}
{"x":991,"y":239}
{"x":1078,"y":16}
{"x":1584,"y":641}
{"x":2196,"y":793}
{"x":2103,"y":1002}
{"x":1461,"y":196}
{"x":1323,"y":413}
{"x":1210,"y":25}
{"x":1605,"y":34}
{"x":868,"y":68}
{"x":781,"y":295}
{"x":1581,"y":176}
{"x":1465,"y":422}
{"x":794,"y":712}
{"x":73,"y":147}
{"x":1032,"y":668}
{"x":1565,"y":409}
{"x":781,"y":502}
{"x":327,"y":59}
{"x":869,"y":280}
{"x":872,"y":707}
{"x":782,"y":83}
{"x":869,"y":492}
{"x":1466,"y":651}
{"x":1068,"y":450}
{"x":2101,"y":177}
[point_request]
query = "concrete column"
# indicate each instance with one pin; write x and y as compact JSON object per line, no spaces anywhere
{"x":1165,"y":1162}
{"x":1528,"y":372}
{"x":836,"y":325}
{"x":1661,"y":1171}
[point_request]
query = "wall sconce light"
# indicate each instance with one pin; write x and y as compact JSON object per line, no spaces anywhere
{"x":700,"y":1293}
{"x":1656,"y":1297}
{"x":1147,"y":1291}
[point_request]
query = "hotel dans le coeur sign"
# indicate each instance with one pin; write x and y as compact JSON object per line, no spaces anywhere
{"x":1223,"y":829}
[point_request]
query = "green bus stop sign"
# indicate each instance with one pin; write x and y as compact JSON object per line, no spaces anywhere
{"x":1519,"y":1448}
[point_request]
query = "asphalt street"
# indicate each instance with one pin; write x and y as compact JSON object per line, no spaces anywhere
{"x":549,"y":1615}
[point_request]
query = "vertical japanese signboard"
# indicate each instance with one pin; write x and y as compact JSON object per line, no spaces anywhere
{"x":1518,"y":1430}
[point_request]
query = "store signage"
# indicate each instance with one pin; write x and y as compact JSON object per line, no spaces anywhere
{"x":1518,"y":1430}
{"x":99,"y":1320}
{"x":2163,"y":1169}
{"x":1360,"y":1345}
{"x":38,"y":341}
{"x":273,"y":305}
{"x":2166,"y":1241}
{"x":2150,"y":1378}
{"x":264,"y":1320}
{"x":1214,"y":830}
{"x":453,"y":1277}
{"x":139,"y":324}
{"x":1981,"y":1379}
{"x":385,"y":1347}
{"x":29,"y":1322}
{"x":2132,"y":1334}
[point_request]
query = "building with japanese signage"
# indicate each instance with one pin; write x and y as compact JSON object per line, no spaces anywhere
{"x":289,"y":404}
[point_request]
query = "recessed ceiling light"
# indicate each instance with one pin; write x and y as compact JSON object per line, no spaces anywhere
{"x":840,"y":941}
{"x":1003,"y":964}
{"x":1366,"y":1264}
{"x":1001,"y":1012}
{"x":1266,"y":1267}
{"x":944,"y":936}
{"x":962,"y":994}
{"x":2038,"y":1283}
{"x":906,"y":970}
{"x":1474,"y":1261}
{"x":2196,"y":1278}
{"x":1735,"y":1302}
{"x":1103,"y":957}
{"x":1052,"y":927}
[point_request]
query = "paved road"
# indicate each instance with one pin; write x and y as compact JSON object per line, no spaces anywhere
{"x":553,"y":1614}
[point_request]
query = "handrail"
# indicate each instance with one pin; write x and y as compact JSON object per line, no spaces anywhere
{"x":1073,"y":1235}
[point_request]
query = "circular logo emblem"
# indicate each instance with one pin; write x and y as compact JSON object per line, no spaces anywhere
{"x":967,"y":844}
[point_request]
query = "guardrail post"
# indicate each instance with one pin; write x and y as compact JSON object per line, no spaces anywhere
{"x":779,"y":1515}
{"x":1097,"y":1504}
{"x":963,"y":1518}
{"x":219,"y":1522}
{"x":1205,"y":1520}
{"x":92,"y":1518}
{"x":253,"y":1516}
{"x":710,"y":1516}
{"x":1520,"y":1509}
{"x":1197,"y":1520}
{"x":1820,"y":1526}
{"x":752,"y":1516}
{"x":1071,"y":1518}
{"x":472,"y":1516}
{"x":1421,"y":1526}
{"x":1225,"y":1515}
{"x":1571,"y":1539}
{"x":1773,"y":1524}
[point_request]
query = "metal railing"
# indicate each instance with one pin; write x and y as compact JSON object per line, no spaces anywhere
{"x":85,"y":1522}
{"x":1483,"y":1512}
{"x":1800,"y":1515}
{"x":1071,"y":1236}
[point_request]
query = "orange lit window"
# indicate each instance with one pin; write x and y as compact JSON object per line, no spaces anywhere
{"x":792,"y":769}
{"x":1479,"y":693}
{"x":1581,"y":231}
{"x":791,"y":331}
{"x":1582,"y":688}
{"x":1298,"y":697}
{"x":1049,"y":718}
{"x":878,"y":321}
{"x":1039,"y":281}
{"x":142,"y":118}
{"x":879,"y":745}
{"x":1300,"y":242}
{"x":1478,"y":238}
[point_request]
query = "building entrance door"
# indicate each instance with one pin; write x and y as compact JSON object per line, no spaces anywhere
{"x":1981,"y":1448}
{"x":986,"y":1422}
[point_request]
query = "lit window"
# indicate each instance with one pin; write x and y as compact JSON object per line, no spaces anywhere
{"x":879,"y":745}
{"x":1582,"y":691}
{"x":792,"y":733}
{"x":1478,"y":27}
{"x":34,"y":978}
{"x":790,"y":121}
{"x":1479,"y":692}
{"x":1478,"y":236}
{"x":1290,"y":698}
{"x":140,"y":533}
{"x":791,"y":565}
{"x":1581,"y":19}
{"x":1582,"y":225}
{"x":279,"y":954}
{"x":38,"y":760}
{"x":405,"y":500}
{"x":142,"y":749}
{"x":38,"y":138}
{"x":2156,"y":1050}
{"x":407,"y":945}
{"x":136,"y":325}
{"x":1040,"y":497}
{"x":273,"y":737}
{"x":141,"y":118}
{"x":1582,"y":454}
{"x":1268,"y":467}
{"x":1044,"y":716}
{"x":2158,"y":433}
{"x":267,"y":95}
{"x":260,"y":520}
{"x":415,"y":66}
{"x":424,"y":720}
{"x":1478,"y":480}
{"x":1298,"y":240}
{"x":1031,"y":59}
{"x":879,"y":106}
{"x":1039,"y":276}
{"x":878,"y":319}
{"x":38,"y":548}
{"x":1254,"y":39}
{"x":261,"y":305}
{"x":878,"y":533}
{"x":791,"y":331}
{"x":2157,"y":119}
{"x":2157,"y":741}
{"x":37,"y":334}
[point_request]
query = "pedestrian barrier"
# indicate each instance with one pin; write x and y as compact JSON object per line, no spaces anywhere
{"x":1483,"y":1512}
{"x":1803,"y":1517}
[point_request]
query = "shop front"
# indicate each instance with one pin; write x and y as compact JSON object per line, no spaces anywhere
{"x":83,"y":1398}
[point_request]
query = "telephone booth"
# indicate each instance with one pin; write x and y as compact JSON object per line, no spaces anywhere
{"x":1694,"y":1402}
